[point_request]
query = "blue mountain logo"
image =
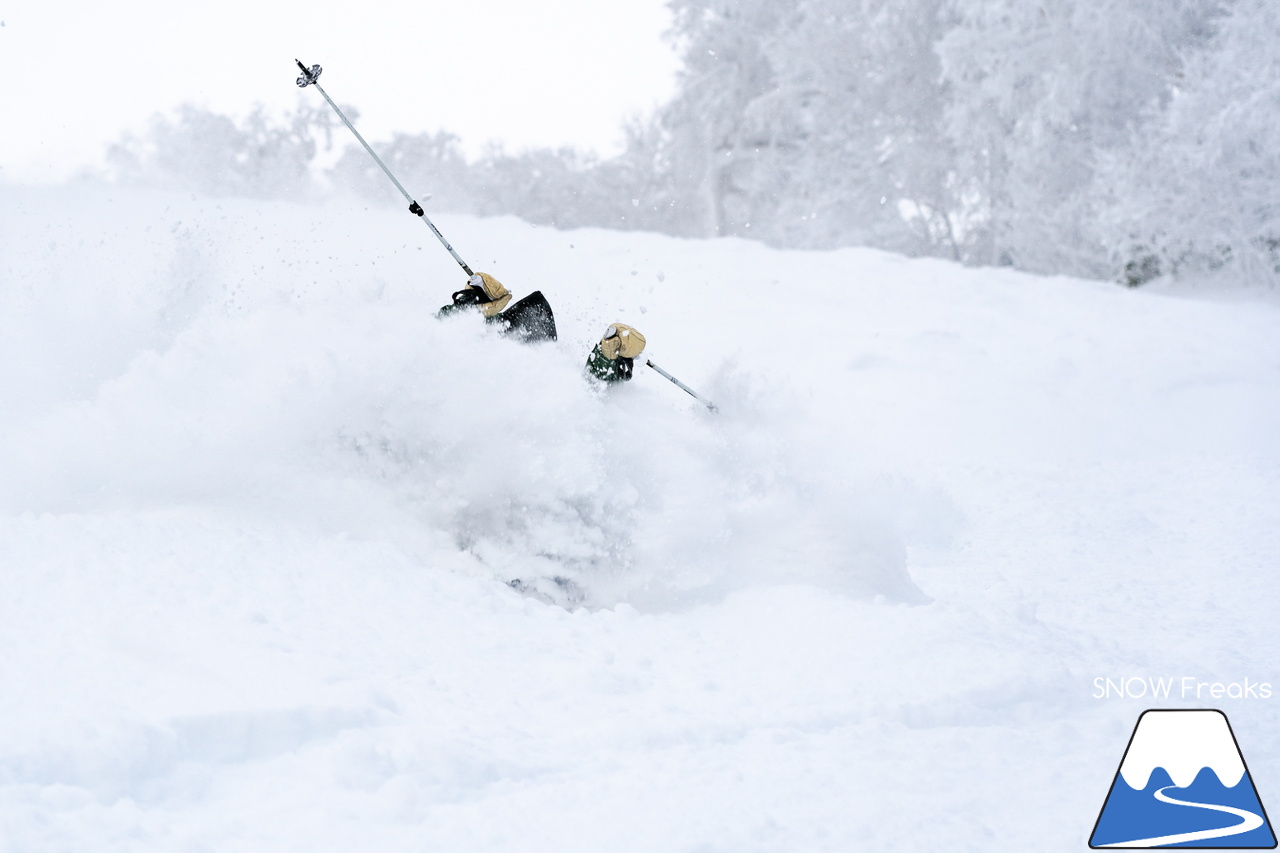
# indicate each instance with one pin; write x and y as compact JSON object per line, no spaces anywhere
{"x":1183,"y":783}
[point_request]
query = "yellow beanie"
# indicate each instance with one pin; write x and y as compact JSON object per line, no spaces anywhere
{"x":620,"y":340}
{"x":499,"y":296}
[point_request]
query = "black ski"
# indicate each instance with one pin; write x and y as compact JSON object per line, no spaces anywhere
{"x":530,"y":319}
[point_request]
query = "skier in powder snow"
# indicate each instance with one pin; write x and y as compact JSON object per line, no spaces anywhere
{"x":482,"y":290}
{"x":530,"y":318}
{"x":611,"y":360}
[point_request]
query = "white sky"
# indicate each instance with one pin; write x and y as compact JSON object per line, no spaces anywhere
{"x":76,"y":74}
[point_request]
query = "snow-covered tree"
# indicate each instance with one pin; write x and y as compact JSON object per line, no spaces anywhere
{"x":968,"y":128}
{"x":812,"y":122}
{"x":426,"y":163}
{"x":258,"y":157}
{"x":1200,"y":187}
{"x":1037,"y":92}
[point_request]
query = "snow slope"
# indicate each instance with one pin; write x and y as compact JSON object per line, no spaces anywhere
{"x":259,"y":511}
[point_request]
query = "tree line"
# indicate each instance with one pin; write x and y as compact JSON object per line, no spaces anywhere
{"x":1122,"y":139}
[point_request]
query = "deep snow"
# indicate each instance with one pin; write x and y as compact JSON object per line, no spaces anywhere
{"x":260,"y":509}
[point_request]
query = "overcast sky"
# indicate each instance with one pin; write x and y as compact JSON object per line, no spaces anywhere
{"x":76,"y":74}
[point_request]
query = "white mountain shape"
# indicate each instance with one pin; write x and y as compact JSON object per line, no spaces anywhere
{"x":1183,"y":743}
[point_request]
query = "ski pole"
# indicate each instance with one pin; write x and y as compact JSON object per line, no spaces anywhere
{"x":311,"y":77}
{"x":710,"y":405}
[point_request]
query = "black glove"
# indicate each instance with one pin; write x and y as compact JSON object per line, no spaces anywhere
{"x":624,"y":368}
{"x":470,"y":296}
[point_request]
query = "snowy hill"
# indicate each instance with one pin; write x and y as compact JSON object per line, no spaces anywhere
{"x":261,"y":511}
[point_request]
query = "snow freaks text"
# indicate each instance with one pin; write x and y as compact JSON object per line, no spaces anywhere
{"x":1178,"y":687}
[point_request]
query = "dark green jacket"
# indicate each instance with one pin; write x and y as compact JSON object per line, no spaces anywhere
{"x":450,"y":309}
{"x":606,"y":369}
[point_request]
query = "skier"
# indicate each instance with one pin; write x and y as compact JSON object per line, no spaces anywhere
{"x":611,"y":360}
{"x":482,"y":290}
{"x":530,"y":318}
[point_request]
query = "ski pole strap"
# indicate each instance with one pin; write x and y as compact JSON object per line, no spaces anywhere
{"x":710,"y":405}
{"x":311,"y":77}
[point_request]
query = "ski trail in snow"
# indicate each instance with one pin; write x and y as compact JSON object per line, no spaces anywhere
{"x":1249,"y":821}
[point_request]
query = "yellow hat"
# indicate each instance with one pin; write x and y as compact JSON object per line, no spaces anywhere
{"x":498,"y":295}
{"x":620,"y":340}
